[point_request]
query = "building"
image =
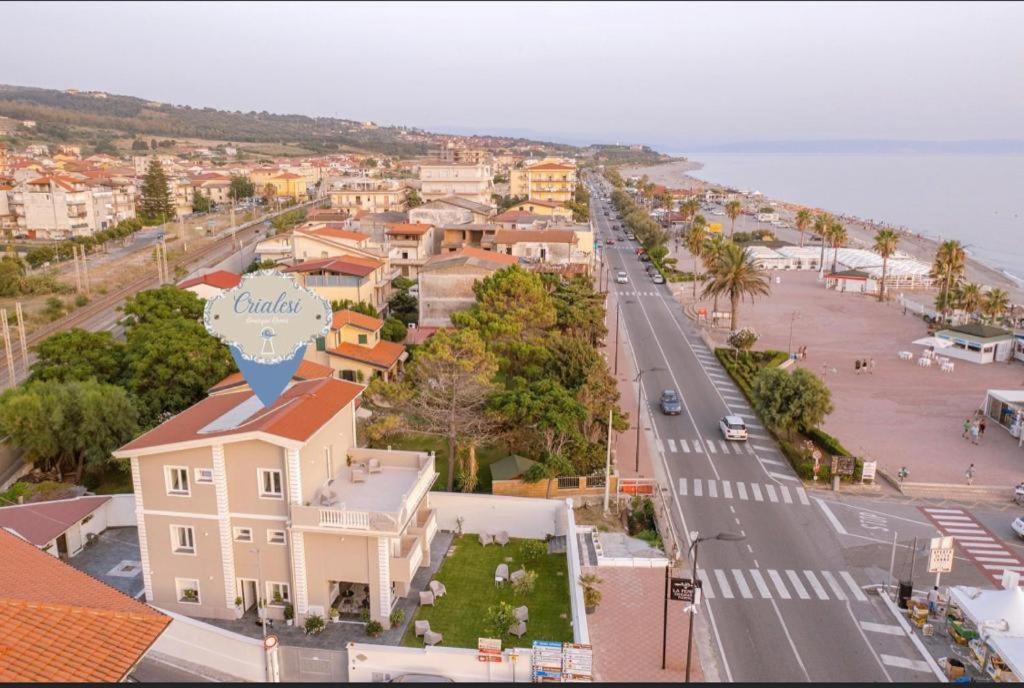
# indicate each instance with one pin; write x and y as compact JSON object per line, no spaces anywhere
{"x":61,"y":625}
{"x":62,"y":207}
{"x":347,"y":277}
{"x":354,"y":349}
{"x":856,"y":281}
{"x":548,"y":209}
{"x":544,"y":181}
{"x":371,"y":195}
{"x":409,"y":247}
{"x":214,"y":186}
{"x":60,"y":527}
{"x":211,"y":284}
{"x":555,"y":246}
{"x":471,"y":235}
{"x":471,"y":181}
{"x":328,"y":239}
{"x":451,"y":210}
{"x":239,"y":504}
{"x":977,"y":343}
{"x":446,"y":282}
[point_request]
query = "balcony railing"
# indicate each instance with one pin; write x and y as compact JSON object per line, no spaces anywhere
{"x":404,"y":565}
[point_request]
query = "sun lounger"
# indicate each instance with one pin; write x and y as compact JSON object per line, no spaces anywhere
{"x":374,"y":466}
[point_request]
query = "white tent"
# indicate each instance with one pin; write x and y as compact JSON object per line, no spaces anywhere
{"x":999,"y":617}
{"x":934,"y":342}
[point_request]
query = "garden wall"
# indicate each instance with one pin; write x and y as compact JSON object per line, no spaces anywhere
{"x":382,"y":663}
{"x":121,"y":511}
{"x":199,"y":647}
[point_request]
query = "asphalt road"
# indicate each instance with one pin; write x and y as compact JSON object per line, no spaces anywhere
{"x":785,"y":604}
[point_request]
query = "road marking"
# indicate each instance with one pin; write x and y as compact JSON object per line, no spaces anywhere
{"x":783,"y":476}
{"x":760,"y":448}
{"x":830,"y":516}
{"x":756,"y":489}
{"x":998,"y":560}
{"x":742,"y":490}
{"x":772,"y":496}
{"x":726,"y":489}
{"x":741,"y":583}
{"x":661,"y":447}
{"x":672,"y":446}
{"x":723,"y":584}
{"x":706,"y":588}
{"x":697,"y":488}
{"x":802,"y":494}
{"x":904,"y":663}
{"x":834,"y":585}
{"x":854,"y":588}
{"x":801,"y":591}
{"x":711,"y":447}
{"x":931,"y":510}
{"x":1002,"y":567}
{"x":682,"y":486}
{"x":942,"y":519}
{"x":759,"y":582}
{"x":713,"y":488}
{"x":785,"y":494}
{"x":818,"y":590}
{"x":887,"y":629}
{"x":975,"y":541}
{"x":684,"y":446}
{"x":779,"y":585}
{"x":725,"y":446}
{"x":750,"y":450}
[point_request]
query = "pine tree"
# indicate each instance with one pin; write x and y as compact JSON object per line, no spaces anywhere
{"x":156,"y":206}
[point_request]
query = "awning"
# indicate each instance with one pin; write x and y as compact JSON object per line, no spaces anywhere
{"x":999,"y":617}
{"x":934,"y":342}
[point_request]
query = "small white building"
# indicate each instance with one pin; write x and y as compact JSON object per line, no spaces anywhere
{"x":977,"y":343}
{"x":60,"y":527}
{"x":856,"y":281}
{"x":1006,"y":407}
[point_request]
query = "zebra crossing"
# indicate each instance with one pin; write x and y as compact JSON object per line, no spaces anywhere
{"x":696,"y":446}
{"x":783,"y":584}
{"x":980,"y":546}
{"x":638,"y":293}
{"x":742,"y":491}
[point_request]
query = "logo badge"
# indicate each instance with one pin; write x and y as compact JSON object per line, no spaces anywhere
{"x":267,"y":321}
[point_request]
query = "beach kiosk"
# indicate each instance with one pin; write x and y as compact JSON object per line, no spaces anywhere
{"x":1006,"y":407}
{"x":977,"y":343}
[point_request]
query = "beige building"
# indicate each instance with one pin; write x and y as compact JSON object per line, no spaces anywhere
{"x":471,"y":181}
{"x":409,"y":247}
{"x":239,"y":505}
{"x":549,"y":209}
{"x":354,"y":349}
{"x":371,"y":195}
{"x":446,"y":282}
{"x":544,"y":181}
{"x":56,"y":207}
{"x":347,"y":277}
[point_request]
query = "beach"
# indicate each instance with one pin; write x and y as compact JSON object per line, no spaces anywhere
{"x":676,"y":175}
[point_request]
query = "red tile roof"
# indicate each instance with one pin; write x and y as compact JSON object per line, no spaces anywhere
{"x":405,"y":228}
{"x":382,"y":355}
{"x":287,"y":175}
{"x":551,"y":166}
{"x":40,"y":522}
{"x":221,"y":279}
{"x":342,"y":265}
{"x":418,"y":335}
{"x":517,"y":216}
{"x":58,"y":625}
{"x":65,"y":183}
{"x":333,"y":232}
{"x":360,"y":320}
{"x":543,"y":204}
{"x":299,"y":412}
{"x":307,"y":370}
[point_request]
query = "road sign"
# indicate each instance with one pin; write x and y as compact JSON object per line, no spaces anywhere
{"x":869,"y":471}
{"x":940,"y":555}
{"x":843,"y":465}
{"x":685,"y":590}
{"x":488,"y":649}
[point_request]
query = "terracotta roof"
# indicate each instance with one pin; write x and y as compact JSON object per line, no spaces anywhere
{"x":342,"y":265}
{"x":40,"y":522}
{"x":65,"y":183}
{"x":469,"y":254}
{"x":382,"y":355}
{"x":520,"y":236}
{"x":552,"y":166}
{"x":333,"y":232}
{"x":58,"y":624}
{"x":405,"y":228}
{"x":543,"y":204}
{"x":307,"y":370}
{"x":299,"y":412}
{"x":221,"y":279}
{"x":287,"y":175}
{"x":518,"y":216}
{"x":418,"y":335}
{"x":360,"y":320}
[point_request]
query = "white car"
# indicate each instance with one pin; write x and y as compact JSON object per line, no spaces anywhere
{"x":1018,"y":526}
{"x":733,"y":428}
{"x":718,"y":213}
{"x":621,"y":277}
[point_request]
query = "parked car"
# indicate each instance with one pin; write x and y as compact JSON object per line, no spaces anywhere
{"x":621,"y":277}
{"x":733,"y":428}
{"x":657,"y":278}
{"x":671,"y":404}
{"x":644,"y":258}
{"x":630,"y":236}
{"x":1018,"y":526}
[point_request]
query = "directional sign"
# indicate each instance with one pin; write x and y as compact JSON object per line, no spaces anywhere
{"x":685,"y":590}
{"x":940,"y":555}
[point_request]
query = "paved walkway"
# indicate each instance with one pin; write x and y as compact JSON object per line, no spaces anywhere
{"x":114,"y":559}
{"x":625,"y":630}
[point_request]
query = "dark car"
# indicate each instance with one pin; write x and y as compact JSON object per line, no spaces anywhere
{"x":671,"y":405}
{"x":644,"y":258}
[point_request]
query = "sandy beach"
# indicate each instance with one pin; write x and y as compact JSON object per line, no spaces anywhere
{"x":675,"y":175}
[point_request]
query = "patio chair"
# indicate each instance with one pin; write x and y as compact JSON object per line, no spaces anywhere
{"x":501,"y":538}
{"x":437,"y":587}
{"x":518,"y":629}
{"x":501,"y":573}
{"x":358,"y":475}
{"x":522,"y":613}
{"x":422,"y":627}
{"x":374,"y":466}
{"x":485,"y":539}
{"x":516,"y":575}
{"x":432,"y":638}
{"x":426,"y":597}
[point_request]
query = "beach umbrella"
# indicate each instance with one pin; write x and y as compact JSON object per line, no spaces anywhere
{"x":933,"y":342}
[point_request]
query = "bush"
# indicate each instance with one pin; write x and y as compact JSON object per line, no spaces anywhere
{"x":532,"y":550}
{"x":827,"y":442}
{"x":498,"y":620}
{"x":364,"y":614}
{"x":315,"y":624}
{"x":81,"y":300}
{"x":525,"y":584}
{"x":374,"y":629}
{"x":397,"y":616}
{"x":652,"y":538}
{"x":289,"y":612}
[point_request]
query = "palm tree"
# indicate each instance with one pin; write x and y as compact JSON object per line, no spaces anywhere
{"x":714,"y":247}
{"x":995,"y":303}
{"x":886,"y":242}
{"x":733,"y":209}
{"x":735,"y":275}
{"x":968,"y":297}
{"x":802,"y":222}
{"x":948,"y":268}
{"x":694,"y":244}
{"x":821,"y":224}
{"x":837,"y":238}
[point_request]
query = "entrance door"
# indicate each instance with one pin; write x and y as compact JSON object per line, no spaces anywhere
{"x":62,"y":546}
{"x":247,"y":591}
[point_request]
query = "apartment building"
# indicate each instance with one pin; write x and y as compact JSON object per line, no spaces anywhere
{"x":446,"y":282}
{"x":59,"y":207}
{"x":354,"y":349}
{"x":543,"y":208}
{"x":240,"y":504}
{"x":371,"y":195}
{"x":544,"y":181}
{"x":409,"y":247}
{"x":328,"y":239}
{"x":471,"y":181}
{"x":351,"y":277}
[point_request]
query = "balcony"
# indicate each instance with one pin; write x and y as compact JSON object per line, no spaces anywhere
{"x":404,"y":564}
{"x":425,"y":526}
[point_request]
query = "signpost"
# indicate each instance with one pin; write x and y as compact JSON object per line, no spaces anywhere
{"x":562,"y":662}
{"x":843,"y":465}
{"x":868,"y":472}
{"x":685,"y":590}
{"x":488,"y":650}
{"x":940,"y":557}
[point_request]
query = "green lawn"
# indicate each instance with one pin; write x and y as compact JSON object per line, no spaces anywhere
{"x":485,"y":456}
{"x":468,"y":575}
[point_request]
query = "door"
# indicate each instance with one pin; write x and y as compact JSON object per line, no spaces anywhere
{"x":62,"y":546}
{"x":247,"y":591}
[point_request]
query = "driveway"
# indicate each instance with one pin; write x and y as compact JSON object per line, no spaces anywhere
{"x":114,"y":559}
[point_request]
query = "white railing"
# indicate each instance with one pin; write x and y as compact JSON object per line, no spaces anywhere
{"x":335,"y":518}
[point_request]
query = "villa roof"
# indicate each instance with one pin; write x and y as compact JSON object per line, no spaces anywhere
{"x":417,"y":229}
{"x":466,"y":204}
{"x":551,"y":166}
{"x":543,"y":204}
{"x":307,"y":370}
{"x":468,"y":254}
{"x":326,"y":230}
{"x":360,"y":320}
{"x":383,"y":354}
{"x":40,"y":522}
{"x":221,"y":279}
{"x":518,"y":217}
{"x":341,"y":265}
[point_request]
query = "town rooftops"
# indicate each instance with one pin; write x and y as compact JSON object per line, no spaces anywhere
{"x":66,"y":183}
{"x":471,"y":256}
{"x":339,"y":265}
{"x":524,"y":236}
{"x":383,"y":354}
{"x":331,"y":231}
{"x":301,"y":410}
{"x":416,"y":229}
{"x":58,"y":624}
{"x":221,"y":279}
{"x":980,"y":331}
{"x":360,"y":320}
{"x":40,"y":522}
{"x":466,"y":204}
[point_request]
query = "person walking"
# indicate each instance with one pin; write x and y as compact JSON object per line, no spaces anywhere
{"x":969,"y":474}
{"x":974,"y":433}
{"x":981,"y":428}
{"x":967,"y":428}
{"x":871,"y":366}
{"x":933,"y":600}
{"x":856,"y":367}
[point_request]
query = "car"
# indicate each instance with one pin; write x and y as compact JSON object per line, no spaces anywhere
{"x":733,"y":428}
{"x":671,"y":405}
{"x":621,"y":277}
{"x":644,"y":258}
{"x":1018,"y":526}
{"x":610,"y":242}
{"x":631,"y":236}
{"x":718,"y":213}
{"x":657,"y":278}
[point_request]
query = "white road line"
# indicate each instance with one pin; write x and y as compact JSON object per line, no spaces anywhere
{"x":834,"y":585}
{"x":801,"y":591}
{"x":887,"y":629}
{"x":783,"y":476}
{"x":772,"y":496}
{"x":1002,"y":567}
{"x":828,"y":513}
{"x":854,"y":588}
{"x":723,"y":584}
{"x":741,"y":583}
{"x":711,"y":447}
{"x":760,"y":448}
{"x":974,"y":540}
{"x":682,"y":486}
{"x":727,"y":489}
{"x":785,"y":494}
{"x":965,"y":531}
{"x":684,"y":446}
{"x":762,"y":586}
{"x":931,"y":510}
{"x":997,"y":560}
{"x":904,"y":663}
{"x":756,"y":489}
{"x":661,"y":446}
{"x":725,"y":446}
{"x":951,"y":518}
{"x":802,"y":494}
{"x":779,"y":585}
{"x":672,"y":446}
{"x":713,"y":488}
{"x":742,"y":489}
{"x":750,"y":450}
{"x":697,"y":449}
{"x":698,"y":489}
{"x":706,"y":588}
{"x":818,"y":590}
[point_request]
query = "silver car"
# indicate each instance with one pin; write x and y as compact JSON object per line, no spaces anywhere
{"x":733,"y":428}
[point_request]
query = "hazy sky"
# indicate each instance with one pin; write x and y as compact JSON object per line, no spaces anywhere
{"x":668,"y":74}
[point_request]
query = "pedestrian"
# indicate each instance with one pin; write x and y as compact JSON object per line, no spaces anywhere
{"x":969,"y":474}
{"x":871,"y":366}
{"x":981,"y":428}
{"x":856,"y":366}
{"x":967,"y":428}
{"x":933,"y":600}
{"x":974,"y":433}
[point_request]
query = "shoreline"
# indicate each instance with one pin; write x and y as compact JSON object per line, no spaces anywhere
{"x":674,"y":174}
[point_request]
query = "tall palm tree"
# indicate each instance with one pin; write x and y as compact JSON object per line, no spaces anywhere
{"x":802,"y":222}
{"x":948,"y":268}
{"x":821,"y":225}
{"x":837,"y":238}
{"x":735,"y":275}
{"x":733,"y":209}
{"x":886,"y":242}
{"x":995,"y":304}
{"x":968,"y":298}
{"x":694,"y":244}
{"x":714,"y":247}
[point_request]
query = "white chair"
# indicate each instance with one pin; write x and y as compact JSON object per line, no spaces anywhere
{"x":518,"y":630}
{"x":486,"y":539}
{"x":374,"y":466}
{"x":522,"y":613}
{"x":432,"y":638}
{"x":437,"y":587}
{"x":358,"y":475}
{"x":501,"y":573}
{"x":501,"y":538}
{"x":426,"y":598}
{"x":422,"y":627}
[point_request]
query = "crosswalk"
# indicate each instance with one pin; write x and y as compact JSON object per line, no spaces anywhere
{"x":696,"y":446}
{"x":782,"y":584}
{"x":983,"y":548}
{"x":638,"y":293}
{"x":743,"y":491}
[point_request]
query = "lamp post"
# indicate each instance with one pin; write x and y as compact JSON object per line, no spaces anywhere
{"x":727,"y":537}
{"x":792,"y":318}
{"x":639,"y":394}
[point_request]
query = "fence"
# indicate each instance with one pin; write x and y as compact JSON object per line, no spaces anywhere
{"x":383,"y":663}
{"x":555,"y":488}
{"x":210,"y":651}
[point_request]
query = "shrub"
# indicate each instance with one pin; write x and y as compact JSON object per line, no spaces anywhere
{"x":827,"y":442}
{"x":289,"y":612}
{"x":315,"y":624}
{"x":591,"y":597}
{"x":364,"y":614}
{"x":397,"y":616}
{"x":525,"y":584}
{"x":498,"y":620}
{"x":81,"y":300}
{"x":374,"y":629}
{"x":651,"y":537}
{"x":532,"y":550}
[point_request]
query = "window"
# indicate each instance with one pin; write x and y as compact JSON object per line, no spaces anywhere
{"x":271,"y":483}
{"x":349,"y":375}
{"x":243,"y":534}
{"x":278,"y":593}
{"x":177,"y":480}
{"x":183,"y":539}
{"x":187,"y":590}
{"x":204,"y":475}
{"x":362,"y":339}
{"x":276,"y":537}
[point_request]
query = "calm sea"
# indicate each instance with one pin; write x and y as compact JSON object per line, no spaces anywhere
{"x":978,"y":200}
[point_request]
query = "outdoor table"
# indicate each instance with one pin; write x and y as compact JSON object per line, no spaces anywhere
{"x":928,"y":353}
{"x":906,"y":355}
{"x":947,"y":367}
{"x":924,"y":362}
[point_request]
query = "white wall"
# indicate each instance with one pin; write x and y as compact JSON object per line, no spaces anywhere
{"x":522,"y":517}
{"x":121,"y":511}
{"x":192,"y":643}
{"x":382,"y":663}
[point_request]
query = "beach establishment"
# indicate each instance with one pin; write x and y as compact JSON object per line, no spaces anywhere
{"x":977,"y":343}
{"x":857,"y":269}
{"x":1006,"y":407}
{"x":998,"y":620}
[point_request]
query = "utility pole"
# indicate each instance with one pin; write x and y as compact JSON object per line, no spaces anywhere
{"x":21,"y":336}
{"x":607,"y":462}
{"x":78,"y":276}
{"x":9,"y":354}
{"x":167,"y":271}
{"x":85,"y":272}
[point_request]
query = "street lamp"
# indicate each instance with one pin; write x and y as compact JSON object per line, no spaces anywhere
{"x":639,"y":389}
{"x":796,"y":314}
{"x":618,"y":305}
{"x":727,"y":537}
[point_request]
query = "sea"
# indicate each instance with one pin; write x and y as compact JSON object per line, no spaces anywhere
{"x":976,"y":199}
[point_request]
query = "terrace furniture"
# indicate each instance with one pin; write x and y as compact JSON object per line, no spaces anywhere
{"x":437,"y":587}
{"x":374,"y":466}
{"x":947,"y":367}
{"x":522,"y":613}
{"x":501,"y":573}
{"x":516,"y":575}
{"x":426,"y":597}
{"x":518,"y":629}
{"x":501,"y":538}
{"x":486,"y":539}
{"x":906,"y":355}
{"x":928,"y":353}
{"x":358,"y":475}
{"x":422,"y":627}
{"x":924,"y":362}
{"x":432,"y":638}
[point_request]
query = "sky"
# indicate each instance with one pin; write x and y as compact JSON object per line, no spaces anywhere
{"x":671,"y":75}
